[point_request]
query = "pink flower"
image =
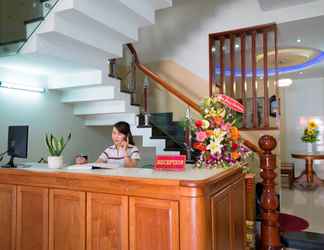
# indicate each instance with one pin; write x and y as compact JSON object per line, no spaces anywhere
{"x":226,"y":126}
{"x":201,"y":136}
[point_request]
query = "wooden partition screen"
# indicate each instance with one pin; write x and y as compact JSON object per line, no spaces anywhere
{"x":243,"y":64}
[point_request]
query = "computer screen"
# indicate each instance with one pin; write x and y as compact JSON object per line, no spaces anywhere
{"x":18,"y":141}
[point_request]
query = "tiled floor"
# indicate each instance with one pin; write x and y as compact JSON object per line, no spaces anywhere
{"x":305,"y":204}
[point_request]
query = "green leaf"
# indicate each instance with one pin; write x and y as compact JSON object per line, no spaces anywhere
{"x":50,"y":149}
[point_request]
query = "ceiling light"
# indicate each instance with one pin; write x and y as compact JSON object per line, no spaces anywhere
{"x":21,"y":87}
{"x":237,"y":46}
{"x":213,"y":49}
{"x":298,"y":40}
{"x":301,"y":72}
{"x":284,"y":82}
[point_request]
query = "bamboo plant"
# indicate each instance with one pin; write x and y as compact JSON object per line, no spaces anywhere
{"x":55,"y":145}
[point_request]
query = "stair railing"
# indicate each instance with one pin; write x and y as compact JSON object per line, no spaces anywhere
{"x":34,"y":12}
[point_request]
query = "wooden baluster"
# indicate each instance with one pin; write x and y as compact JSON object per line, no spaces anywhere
{"x":254,"y":90}
{"x":232,"y":62}
{"x":146,"y":114}
{"x":270,"y":238}
{"x":112,"y":68}
{"x":277,"y":73}
{"x":265,"y":80}
{"x":243,"y":75}
{"x":188,"y":137}
{"x":212,"y":70}
{"x":222,"y":65}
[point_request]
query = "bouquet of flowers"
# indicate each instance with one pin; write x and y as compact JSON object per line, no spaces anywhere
{"x":216,"y":134}
{"x":311,"y":132}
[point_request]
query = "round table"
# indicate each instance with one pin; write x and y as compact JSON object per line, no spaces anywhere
{"x":312,"y":180}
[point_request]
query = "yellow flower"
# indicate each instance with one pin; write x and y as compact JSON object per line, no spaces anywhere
{"x":205,"y":124}
{"x":312,"y":124}
{"x":215,"y":147}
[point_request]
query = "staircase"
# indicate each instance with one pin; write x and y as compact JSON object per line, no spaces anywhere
{"x":74,"y":43}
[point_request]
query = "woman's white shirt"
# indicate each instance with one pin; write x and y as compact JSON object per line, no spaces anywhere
{"x":115,"y":156}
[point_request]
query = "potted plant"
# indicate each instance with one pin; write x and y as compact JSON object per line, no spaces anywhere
{"x":55,"y":148}
{"x":310,"y":135}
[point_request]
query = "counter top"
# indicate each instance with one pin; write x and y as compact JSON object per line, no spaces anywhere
{"x":190,"y":174}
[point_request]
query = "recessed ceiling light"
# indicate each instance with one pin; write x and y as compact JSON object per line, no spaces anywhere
{"x":284,"y":82}
{"x":237,"y":46}
{"x":298,"y":40}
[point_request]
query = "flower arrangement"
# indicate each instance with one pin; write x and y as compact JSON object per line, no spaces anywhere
{"x":216,"y":134}
{"x":311,"y":132}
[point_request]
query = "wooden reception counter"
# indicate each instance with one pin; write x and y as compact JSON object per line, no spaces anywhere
{"x":137,"y":209}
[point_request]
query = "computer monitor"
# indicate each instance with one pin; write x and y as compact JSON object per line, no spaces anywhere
{"x":17,"y":143}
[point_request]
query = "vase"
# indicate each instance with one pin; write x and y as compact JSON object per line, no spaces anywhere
{"x":55,"y":161}
{"x":309,"y":147}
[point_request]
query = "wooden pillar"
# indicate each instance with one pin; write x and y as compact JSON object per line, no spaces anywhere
{"x":243,"y":75}
{"x":254,"y":90}
{"x":212,"y":70}
{"x":222,"y":66}
{"x":232,"y":62}
{"x":270,"y":238}
{"x":265,"y":80}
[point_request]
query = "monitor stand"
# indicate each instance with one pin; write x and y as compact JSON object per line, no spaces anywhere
{"x":10,"y":164}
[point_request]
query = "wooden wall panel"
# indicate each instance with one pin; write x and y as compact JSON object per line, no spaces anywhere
{"x":32,"y":218}
{"x":66,"y":220}
{"x":154,"y":224}
{"x":7,"y":217}
{"x":107,"y":222}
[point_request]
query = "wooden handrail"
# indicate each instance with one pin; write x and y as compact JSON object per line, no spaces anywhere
{"x":182,"y":97}
{"x":162,"y":82}
{"x":252,"y":147}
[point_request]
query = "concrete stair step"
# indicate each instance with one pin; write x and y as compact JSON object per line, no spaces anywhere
{"x":102,"y":107}
{"x":88,"y":94}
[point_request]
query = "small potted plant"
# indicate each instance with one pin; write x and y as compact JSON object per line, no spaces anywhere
{"x":55,"y":148}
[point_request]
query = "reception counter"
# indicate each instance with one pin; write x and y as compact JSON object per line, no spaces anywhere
{"x":121,"y":209}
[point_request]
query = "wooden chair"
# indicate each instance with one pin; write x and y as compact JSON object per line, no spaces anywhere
{"x":287,"y":169}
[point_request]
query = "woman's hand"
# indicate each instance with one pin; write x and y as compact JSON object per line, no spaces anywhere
{"x":124,"y":146}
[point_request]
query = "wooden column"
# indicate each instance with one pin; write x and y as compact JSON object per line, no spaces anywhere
{"x":222,"y":65}
{"x":211,"y":65}
{"x":277,"y":73}
{"x":265,"y":80}
{"x":270,"y":238}
{"x":232,"y":62}
{"x":254,"y":91}
{"x":243,"y":75}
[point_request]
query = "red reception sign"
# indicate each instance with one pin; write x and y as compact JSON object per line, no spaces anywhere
{"x":170,"y":162}
{"x":231,"y":103}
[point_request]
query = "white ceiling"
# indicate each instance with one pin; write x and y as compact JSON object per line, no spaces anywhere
{"x":267,"y":5}
{"x":311,"y":34}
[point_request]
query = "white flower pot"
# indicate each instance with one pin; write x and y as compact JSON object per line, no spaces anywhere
{"x":55,"y":161}
{"x":309,"y":147}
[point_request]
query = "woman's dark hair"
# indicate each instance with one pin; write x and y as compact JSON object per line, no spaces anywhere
{"x":124,"y":128}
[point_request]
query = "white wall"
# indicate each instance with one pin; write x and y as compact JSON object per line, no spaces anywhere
{"x":45,"y":114}
{"x":303,"y":100}
{"x":181,"y":32}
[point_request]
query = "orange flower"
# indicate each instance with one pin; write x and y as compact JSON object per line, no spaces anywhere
{"x":199,"y":146}
{"x":235,"y":155}
{"x":218,"y":120}
{"x":235,"y":133}
{"x":210,"y":132}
